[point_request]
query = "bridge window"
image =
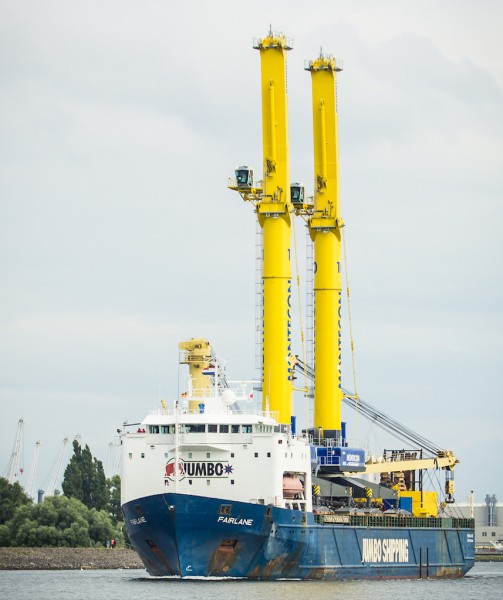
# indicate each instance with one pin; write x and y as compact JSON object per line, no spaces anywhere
{"x":212,"y":428}
{"x":193,"y":428}
{"x":224,"y":428}
{"x":153,"y":428}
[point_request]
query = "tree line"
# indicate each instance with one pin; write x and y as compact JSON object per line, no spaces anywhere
{"x":87,"y":514}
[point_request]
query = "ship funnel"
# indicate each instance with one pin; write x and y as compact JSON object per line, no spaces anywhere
{"x":197,"y":353}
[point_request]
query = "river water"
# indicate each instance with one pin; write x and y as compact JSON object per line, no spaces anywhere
{"x":484,"y":581}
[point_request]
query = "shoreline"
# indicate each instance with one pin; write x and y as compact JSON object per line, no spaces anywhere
{"x":64,"y":559}
{"x":488,"y":557}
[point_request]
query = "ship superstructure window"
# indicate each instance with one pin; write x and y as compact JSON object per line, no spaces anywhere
{"x":246,"y":428}
{"x":165,"y":429}
{"x":153,"y":428}
{"x":263,"y":428}
{"x":192,"y":428}
{"x":212,"y":428}
{"x":223,"y":428}
{"x":234,"y":428}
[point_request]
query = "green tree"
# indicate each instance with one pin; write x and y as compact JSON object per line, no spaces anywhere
{"x":84,"y":478}
{"x":11,"y":496}
{"x":73,"y":476}
{"x":114,"y":498}
{"x":58,"y":521}
{"x":98,"y":490}
{"x":101,"y":527}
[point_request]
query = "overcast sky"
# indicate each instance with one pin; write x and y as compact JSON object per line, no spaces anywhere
{"x":120,"y":122}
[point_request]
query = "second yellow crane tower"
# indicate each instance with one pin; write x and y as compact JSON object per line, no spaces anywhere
{"x":325,"y":229}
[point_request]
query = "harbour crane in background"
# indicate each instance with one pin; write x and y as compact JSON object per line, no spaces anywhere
{"x":56,"y":472}
{"x":14,"y":470}
{"x":33,"y":470}
{"x":113,"y":462}
{"x":109,"y":459}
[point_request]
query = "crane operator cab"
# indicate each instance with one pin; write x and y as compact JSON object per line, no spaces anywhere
{"x":297,"y":194}
{"x":244,"y":177}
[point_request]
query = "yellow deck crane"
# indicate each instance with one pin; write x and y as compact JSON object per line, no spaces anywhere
{"x":325,"y":223}
{"x":273,"y":208}
{"x":325,"y":230}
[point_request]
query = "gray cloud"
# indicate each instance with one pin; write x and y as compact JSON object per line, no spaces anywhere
{"x":120,"y":123}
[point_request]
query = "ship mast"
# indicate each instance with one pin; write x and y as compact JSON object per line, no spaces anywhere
{"x":325,"y":230}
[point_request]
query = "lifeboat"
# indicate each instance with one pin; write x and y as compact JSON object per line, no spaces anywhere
{"x":292,"y":486}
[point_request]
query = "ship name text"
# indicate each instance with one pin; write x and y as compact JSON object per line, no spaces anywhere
{"x":386,"y":550}
{"x":196,"y":469}
{"x":235,"y":521}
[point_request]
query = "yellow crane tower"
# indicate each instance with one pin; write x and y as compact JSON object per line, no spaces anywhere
{"x":273,"y":207}
{"x":325,"y":230}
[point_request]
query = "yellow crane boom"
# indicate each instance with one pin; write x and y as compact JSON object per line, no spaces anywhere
{"x":444,"y":460}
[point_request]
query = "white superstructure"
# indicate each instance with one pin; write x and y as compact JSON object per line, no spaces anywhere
{"x":208,"y":446}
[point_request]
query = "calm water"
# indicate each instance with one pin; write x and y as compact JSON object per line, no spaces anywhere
{"x":485,"y":581}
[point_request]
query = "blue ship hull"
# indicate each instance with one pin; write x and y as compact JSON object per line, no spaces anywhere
{"x":193,"y":536}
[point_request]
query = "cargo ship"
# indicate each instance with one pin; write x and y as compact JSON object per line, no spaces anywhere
{"x":221,"y":483}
